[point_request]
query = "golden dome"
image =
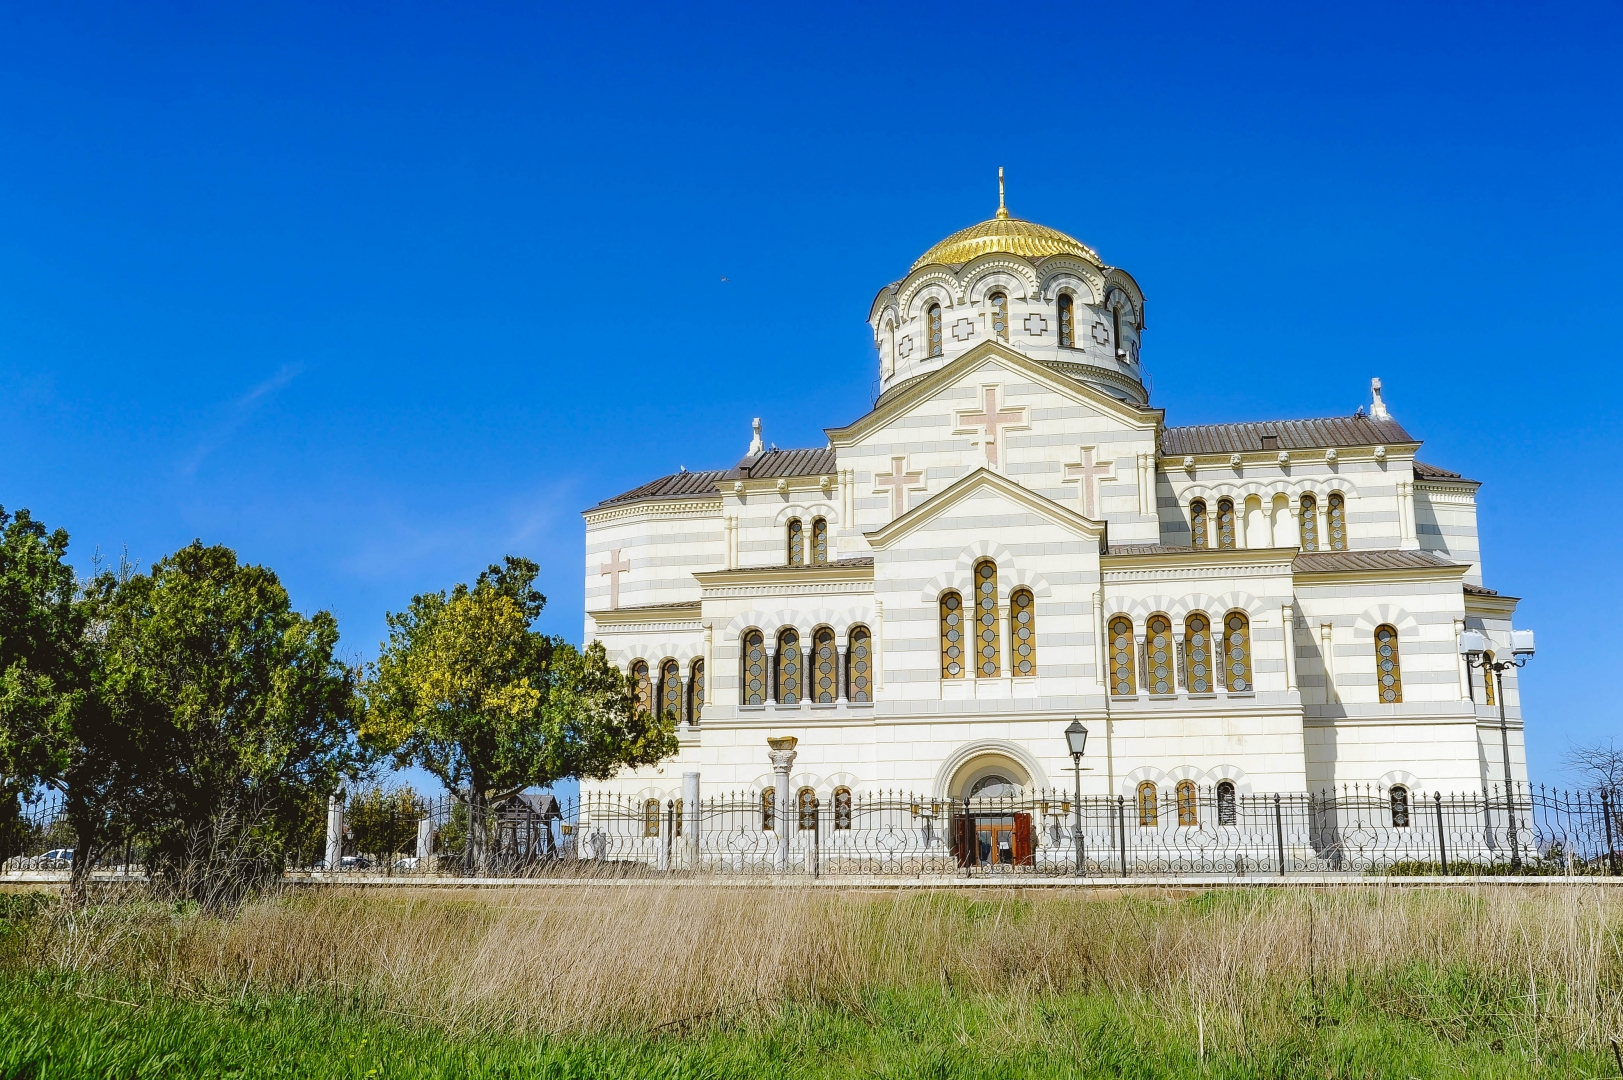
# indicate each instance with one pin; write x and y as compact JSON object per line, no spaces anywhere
{"x":1005,"y":233}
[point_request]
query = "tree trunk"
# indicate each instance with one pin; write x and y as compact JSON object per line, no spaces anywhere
{"x":478,"y":834}
{"x":84,"y":850}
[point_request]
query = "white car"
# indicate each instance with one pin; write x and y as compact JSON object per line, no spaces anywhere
{"x":56,"y":859}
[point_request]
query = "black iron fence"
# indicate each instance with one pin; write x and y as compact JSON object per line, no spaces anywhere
{"x":1186,"y":831}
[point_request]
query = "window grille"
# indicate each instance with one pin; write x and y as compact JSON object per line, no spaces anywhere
{"x":1400,"y":806}
{"x":806,"y":803}
{"x":650,"y":817}
{"x":1388,"y":670}
{"x":1122,"y":680}
{"x":1067,"y":323}
{"x":670,"y":688}
{"x":790,"y":668}
{"x":1197,"y":648}
{"x":1237,"y":649}
{"x":952,"y":636}
{"x":1225,"y":524}
{"x":1000,"y":314}
{"x":1338,"y":522}
{"x":1188,"y":813}
{"x":679,"y":817}
{"x":769,"y":809}
{"x":1023,"y":631}
{"x":1161,"y":681}
{"x":1149,"y":810}
{"x":859,"y":665}
{"x":1310,"y":523}
{"x":825,"y":667}
{"x":755,"y":673}
{"x":641,"y":686}
{"x":1197,"y":523}
{"x":1488,"y":689}
{"x":933,"y":316}
{"x":842,"y":808}
{"x":695,"y":691}
{"x":986,"y":644}
{"x":1225,"y":803}
{"x":797,"y":543}
{"x":819,"y":542}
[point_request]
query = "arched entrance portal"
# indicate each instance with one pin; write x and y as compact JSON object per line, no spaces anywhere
{"x":992,"y":825}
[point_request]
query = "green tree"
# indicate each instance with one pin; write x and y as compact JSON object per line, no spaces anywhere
{"x":242,"y":709}
{"x":467,"y":691}
{"x":383,"y":821}
{"x":54,"y":729}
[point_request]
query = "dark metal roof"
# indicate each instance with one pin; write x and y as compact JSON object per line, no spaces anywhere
{"x":854,"y":561}
{"x":1479,"y":590}
{"x":682,"y":485}
{"x":1151,"y":549}
{"x":1422,"y":471}
{"x":1288,"y":435}
{"x":1330,"y":562}
{"x":771,"y":464}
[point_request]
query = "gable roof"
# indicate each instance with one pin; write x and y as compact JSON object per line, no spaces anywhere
{"x":983,"y":479}
{"x":920,"y":387}
{"x":773,"y":463}
{"x":1317,"y":434}
{"x":679,"y":485}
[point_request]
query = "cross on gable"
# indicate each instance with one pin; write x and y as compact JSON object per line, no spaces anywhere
{"x":614,"y":568}
{"x":990,"y":419}
{"x":1088,"y":473}
{"x":898,"y":482}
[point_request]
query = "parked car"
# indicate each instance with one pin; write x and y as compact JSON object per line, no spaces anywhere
{"x":408,"y":863}
{"x":56,"y":859}
{"x":355,"y":862}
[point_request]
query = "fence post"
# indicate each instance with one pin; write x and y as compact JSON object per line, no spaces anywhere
{"x":1442,"y":839}
{"x":1606,"y":814}
{"x":690,"y":810}
{"x":814,"y":850}
{"x":665,"y":835}
{"x":335,"y":833}
{"x":1279,"y":833}
{"x":1121,"y":832}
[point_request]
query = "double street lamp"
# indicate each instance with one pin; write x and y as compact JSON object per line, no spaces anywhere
{"x":1076,"y":739}
{"x":1474,"y":648}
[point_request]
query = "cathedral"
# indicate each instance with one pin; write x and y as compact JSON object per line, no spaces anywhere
{"x":1014,"y":538}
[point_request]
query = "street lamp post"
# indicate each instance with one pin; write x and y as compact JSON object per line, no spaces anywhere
{"x":1474,"y":648}
{"x":1076,"y":738}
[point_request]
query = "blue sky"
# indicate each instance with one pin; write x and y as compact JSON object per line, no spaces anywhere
{"x":376,"y":295}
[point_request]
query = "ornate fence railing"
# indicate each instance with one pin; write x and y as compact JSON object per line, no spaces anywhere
{"x":1183,"y":832}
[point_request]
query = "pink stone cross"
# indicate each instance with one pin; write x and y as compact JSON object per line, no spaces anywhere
{"x":1089,"y":472}
{"x":898,"y":482}
{"x":990,"y":419}
{"x":614,"y":568}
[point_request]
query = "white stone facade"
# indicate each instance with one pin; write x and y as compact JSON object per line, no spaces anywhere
{"x":1044,"y":462}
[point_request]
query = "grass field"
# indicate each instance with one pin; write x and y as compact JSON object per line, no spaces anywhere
{"x":717,"y":982}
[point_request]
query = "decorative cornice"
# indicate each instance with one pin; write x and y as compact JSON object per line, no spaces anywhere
{"x":654,"y":613}
{"x":783,"y":576}
{"x":1263,"y":560}
{"x":1491,"y":607}
{"x":983,"y":479}
{"x":654,"y":508}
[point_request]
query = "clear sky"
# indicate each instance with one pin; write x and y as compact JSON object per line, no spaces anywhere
{"x":377,"y":293}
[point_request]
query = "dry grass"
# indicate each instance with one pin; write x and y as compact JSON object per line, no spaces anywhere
{"x":1222,"y":967}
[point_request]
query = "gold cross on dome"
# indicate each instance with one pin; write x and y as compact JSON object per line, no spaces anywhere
{"x":1089,"y":473}
{"x":898,"y":482}
{"x":989,"y":421}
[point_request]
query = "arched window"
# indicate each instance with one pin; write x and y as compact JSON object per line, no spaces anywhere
{"x":1487,"y":682}
{"x":1197,"y":523}
{"x":1225,"y":803}
{"x":1067,"y":322}
{"x":1149,"y":808}
{"x":1310,"y":523}
{"x":1237,"y":651}
{"x":806,"y":805}
{"x":670,"y":688}
{"x":641,"y":686}
{"x":1388,"y":671}
{"x":695,"y":691}
{"x":1400,"y":806}
{"x":859,"y":665}
{"x":825,"y":667}
{"x":986,"y":644}
{"x":1338,"y":522}
{"x":1225,"y":524}
{"x":842,"y":808}
{"x":932,"y":315}
{"x":1115,"y":326}
{"x":1187,"y":811}
{"x":1123,"y":681}
{"x":819,"y":552}
{"x":790,"y":667}
{"x":999,"y":303}
{"x":952,"y":636}
{"x":797,"y":543}
{"x":755,"y":673}
{"x":1197,"y":651}
{"x":678,"y":816}
{"x":1162,"y":658}
{"x":1023,"y":632}
{"x":769,"y":809}
{"x":650,"y":817}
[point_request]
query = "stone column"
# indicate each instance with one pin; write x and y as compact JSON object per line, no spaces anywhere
{"x":335,"y":832}
{"x":840,"y":658}
{"x":690,"y":816}
{"x":1327,"y":644}
{"x":425,"y":842}
{"x":709,"y":665}
{"x":782,"y":753}
{"x":878,"y":646}
{"x":1323,"y":510}
{"x":1005,"y":658}
{"x":771,"y":674}
{"x":1287,"y":622}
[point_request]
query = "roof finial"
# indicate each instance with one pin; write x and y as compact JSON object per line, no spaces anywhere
{"x":1002,"y":211}
{"x":755,"y":443}
{"x":1377,"y":410}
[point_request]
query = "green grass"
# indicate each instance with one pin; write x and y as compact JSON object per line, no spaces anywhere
{"x":55,"y":1027}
